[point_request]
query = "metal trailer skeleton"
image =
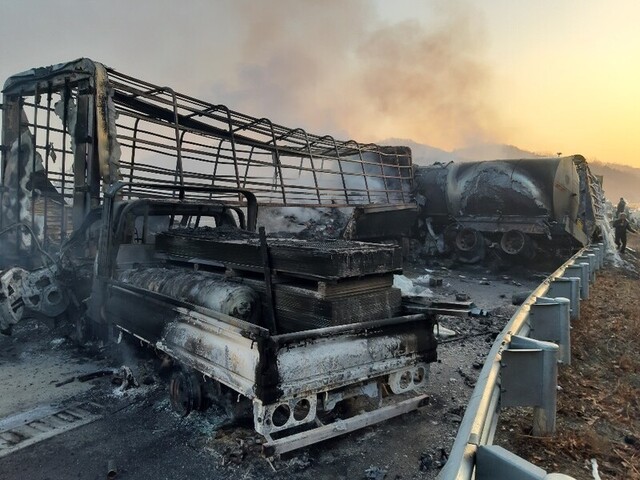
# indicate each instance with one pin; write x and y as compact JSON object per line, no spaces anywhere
{"x":109,"y":186}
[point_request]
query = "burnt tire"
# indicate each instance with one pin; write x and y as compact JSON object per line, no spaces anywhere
{"x":185,"y":392}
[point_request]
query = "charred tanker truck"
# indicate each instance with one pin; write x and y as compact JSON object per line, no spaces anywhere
{"x":127,"y":207}
{"x":513,"y":208}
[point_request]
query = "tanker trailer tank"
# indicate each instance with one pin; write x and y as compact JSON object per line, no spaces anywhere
{"x":513,"y":208}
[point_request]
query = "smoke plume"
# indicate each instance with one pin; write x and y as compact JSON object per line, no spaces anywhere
{"x":337,"y":67}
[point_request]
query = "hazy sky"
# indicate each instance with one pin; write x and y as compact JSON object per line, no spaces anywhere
{"x":547,"y":76}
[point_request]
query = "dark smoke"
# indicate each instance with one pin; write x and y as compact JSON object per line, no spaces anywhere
{"x":335,"y":66}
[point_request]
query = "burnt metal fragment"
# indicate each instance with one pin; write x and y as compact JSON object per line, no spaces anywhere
{"x":112,"y":470}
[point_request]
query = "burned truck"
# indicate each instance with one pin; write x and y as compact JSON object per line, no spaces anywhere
{"x":515,"y":209}
{"x":129,"y":208}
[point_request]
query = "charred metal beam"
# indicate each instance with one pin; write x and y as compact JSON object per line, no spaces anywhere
{"x":352,"y":328}
{"x":272,"y":322}
{"x":187,"y":121}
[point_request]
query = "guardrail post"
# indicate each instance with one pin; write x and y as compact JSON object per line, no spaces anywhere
{"x":567,"y":287}
{"x":592,"y":260}
{"x":529,"y":376}
{"x":599,"y":253}
{"x":496,"y":463}
{"x":579,"y":270}
{"x":600,"y":248}
{"x":549,"y":319}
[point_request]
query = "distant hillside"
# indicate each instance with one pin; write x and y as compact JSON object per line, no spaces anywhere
{"x":619,"y":180}
{"x":490,"y":151}
{"x":421,"y":154}
{"x":426,"y":154}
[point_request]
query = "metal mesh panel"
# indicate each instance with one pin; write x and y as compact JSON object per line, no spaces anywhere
{"x":171,"y":138}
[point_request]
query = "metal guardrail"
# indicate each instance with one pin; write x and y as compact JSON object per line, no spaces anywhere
{"x":472,"y":454}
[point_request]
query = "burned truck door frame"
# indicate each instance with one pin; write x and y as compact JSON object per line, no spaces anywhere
{"x":84,"y":123}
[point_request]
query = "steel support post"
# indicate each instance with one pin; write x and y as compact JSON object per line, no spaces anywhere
{"x":592,"y":260}
{"x":549,"y":319}
{"x":567,"y":287}
{"x":529,"y":378}
{"x":601,"y":252}
{"x":496,"y":463}
{"x":598,"y":253}
{"x":579,"y":270}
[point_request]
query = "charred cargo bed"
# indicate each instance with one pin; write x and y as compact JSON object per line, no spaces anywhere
{"x":321,"y":260}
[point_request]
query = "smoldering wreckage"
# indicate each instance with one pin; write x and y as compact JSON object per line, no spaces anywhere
{"x":131,"y":208}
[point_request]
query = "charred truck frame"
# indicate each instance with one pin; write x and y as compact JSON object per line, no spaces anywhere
{"x":516,"y":208}
{"x":128,"y":207}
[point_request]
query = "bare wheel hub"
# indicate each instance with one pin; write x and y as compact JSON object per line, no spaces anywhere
{"x":185,"y":392}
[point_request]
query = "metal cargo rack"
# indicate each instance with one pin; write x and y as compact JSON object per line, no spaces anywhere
{"x":80,"y":126}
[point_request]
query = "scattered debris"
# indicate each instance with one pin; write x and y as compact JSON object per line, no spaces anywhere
{"x":90,"y":376}
{"x":594,"y":469}
{"x":462,"y":297}
{"x":300,"y":463}
{"x":426,"y":462}
{"x":519,"y":297}
{"x":112,"y":471}
{"x":65,"y":382}
{"x":429,"y":280}
{"x":124,"y":377}
{"x":469,"y":380}
{"x":375,"y":473}
{"x":458,"y":410}
{"x":434,"y":459}
{"x":234,"y":454}
{"x":443,"y":332}
{"x":478,"y":312}
{"x":408,"y":288}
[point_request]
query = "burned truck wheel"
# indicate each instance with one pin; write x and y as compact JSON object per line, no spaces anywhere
{"x":470,"y":245}
{"x":185,"y":392}
{"x":517,"y":243}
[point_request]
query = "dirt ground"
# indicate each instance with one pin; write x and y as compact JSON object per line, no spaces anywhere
{"x":599,"y":402}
